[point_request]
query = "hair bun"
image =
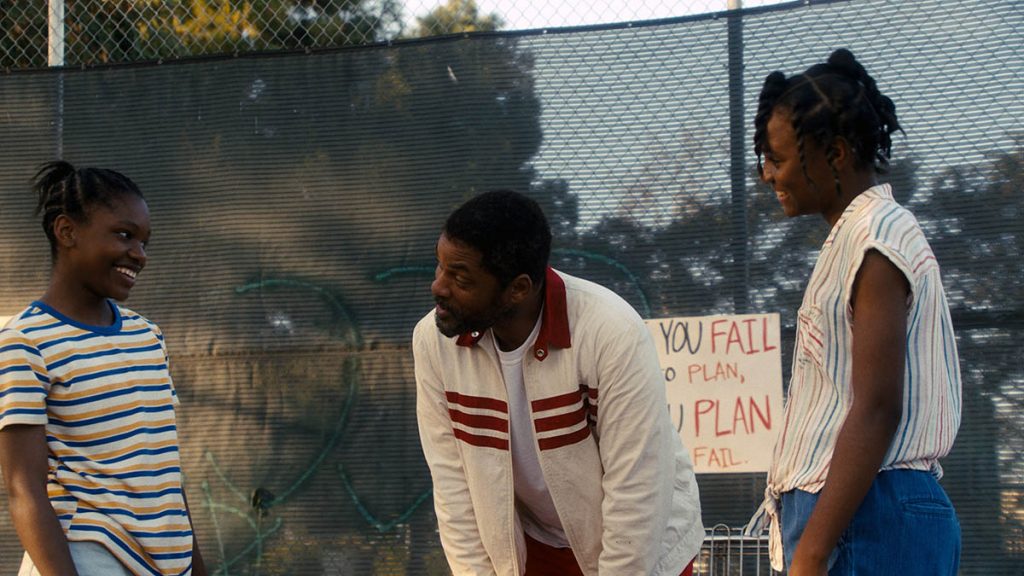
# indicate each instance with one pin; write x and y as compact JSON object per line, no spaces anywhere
{"x":844,"y":62}
{"x":775,"y":85}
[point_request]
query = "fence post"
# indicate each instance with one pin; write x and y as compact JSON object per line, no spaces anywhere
{"x":737,"y":155}
{"x":55,"y":57}
{"x":56,"y":35}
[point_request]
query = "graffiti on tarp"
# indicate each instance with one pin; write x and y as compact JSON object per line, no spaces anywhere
{"x":255,"y":505}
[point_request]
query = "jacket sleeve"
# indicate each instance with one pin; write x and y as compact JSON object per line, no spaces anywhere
{"x":456,"y":519}
{"x":637,"y":452}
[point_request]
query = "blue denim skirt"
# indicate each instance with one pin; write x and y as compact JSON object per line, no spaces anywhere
{"x":906,"y":526}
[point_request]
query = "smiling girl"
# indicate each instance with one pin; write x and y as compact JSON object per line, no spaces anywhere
{"x":88,"y":439}
{"x":874,"y":399}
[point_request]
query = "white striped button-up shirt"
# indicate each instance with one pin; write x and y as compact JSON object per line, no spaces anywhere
{"x":820,"y":392}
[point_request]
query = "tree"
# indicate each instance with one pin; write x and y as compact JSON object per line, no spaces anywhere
{"x":104,"y":31}
{"x":23,"y":35}
{"x":454,"y":17}
{"x":974,"y":216}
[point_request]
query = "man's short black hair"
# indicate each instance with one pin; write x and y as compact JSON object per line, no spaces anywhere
{"x":510,"y":231}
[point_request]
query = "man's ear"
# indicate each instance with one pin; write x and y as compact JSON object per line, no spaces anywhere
{"x":519,"y":289}
{"x":64,"y":231}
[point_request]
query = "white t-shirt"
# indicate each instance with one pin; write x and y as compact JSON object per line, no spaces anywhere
{"x":533,"y":500}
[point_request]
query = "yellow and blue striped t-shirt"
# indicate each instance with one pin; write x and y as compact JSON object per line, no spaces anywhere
{"x":106,"y":399}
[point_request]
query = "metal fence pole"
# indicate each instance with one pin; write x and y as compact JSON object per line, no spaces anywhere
{"x":737,"y":167}
{"x":56,"y":58}
{"x":56,"y":35}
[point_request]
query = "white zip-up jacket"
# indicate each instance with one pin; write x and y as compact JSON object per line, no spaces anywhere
{"x":620,"y":479}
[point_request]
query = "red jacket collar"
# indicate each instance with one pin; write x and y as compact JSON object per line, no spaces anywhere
{"x":554,"y":326}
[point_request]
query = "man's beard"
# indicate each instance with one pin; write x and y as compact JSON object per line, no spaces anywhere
{"x":457,"y":323}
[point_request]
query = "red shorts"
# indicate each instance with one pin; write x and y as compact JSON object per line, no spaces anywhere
{"x":544,"y":560}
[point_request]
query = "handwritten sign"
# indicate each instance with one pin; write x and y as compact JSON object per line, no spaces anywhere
{"x":723,"y":380}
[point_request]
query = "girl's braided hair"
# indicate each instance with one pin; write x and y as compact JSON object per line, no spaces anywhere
{"x":833,"y":99}
{"x":60,"y":188}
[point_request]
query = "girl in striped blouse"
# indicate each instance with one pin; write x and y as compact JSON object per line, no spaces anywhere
{"x":88,"y":439}
{"x":874,"y":400}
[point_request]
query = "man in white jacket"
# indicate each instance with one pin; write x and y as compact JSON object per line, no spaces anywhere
{"x":542,"y":412}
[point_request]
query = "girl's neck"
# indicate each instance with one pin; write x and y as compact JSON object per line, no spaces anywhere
{"x":79,"y":305}
{"x":851,"y":187}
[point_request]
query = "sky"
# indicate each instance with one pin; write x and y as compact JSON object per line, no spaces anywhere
{"x":527,"y":14}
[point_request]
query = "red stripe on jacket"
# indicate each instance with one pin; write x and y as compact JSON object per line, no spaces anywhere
{"x":476,"y":402}
{"x":482,"y":441}
{"x":479,"y":420}
{"x":565,"y":439}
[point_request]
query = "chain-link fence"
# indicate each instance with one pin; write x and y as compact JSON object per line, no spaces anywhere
{"x":296,"y":199}
{"x":89,"y":32}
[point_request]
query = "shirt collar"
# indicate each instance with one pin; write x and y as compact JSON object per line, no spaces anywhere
{"x":878,"y":191}
{"x":554,"y":327}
